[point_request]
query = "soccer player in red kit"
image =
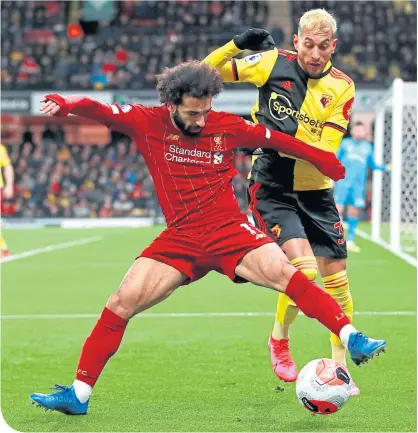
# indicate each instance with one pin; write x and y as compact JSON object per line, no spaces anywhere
{"x":189,"y":151}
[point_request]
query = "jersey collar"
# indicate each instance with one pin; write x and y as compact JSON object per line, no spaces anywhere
{"x":305,"y":75}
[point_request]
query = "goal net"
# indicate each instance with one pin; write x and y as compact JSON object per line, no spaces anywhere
{"x":394,"y":202}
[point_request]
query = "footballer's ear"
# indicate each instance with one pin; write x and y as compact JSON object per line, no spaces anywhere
{"x":334,"y":45}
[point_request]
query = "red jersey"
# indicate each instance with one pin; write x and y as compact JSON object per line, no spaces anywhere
{"x":192,"y":175}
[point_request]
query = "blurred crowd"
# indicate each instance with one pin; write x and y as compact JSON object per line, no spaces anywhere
{"x":93,"y":44}
{"x":53,"y":179}
{"x":110,"y":44}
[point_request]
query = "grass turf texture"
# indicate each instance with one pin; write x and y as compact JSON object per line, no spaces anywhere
{"x":191,"y":373}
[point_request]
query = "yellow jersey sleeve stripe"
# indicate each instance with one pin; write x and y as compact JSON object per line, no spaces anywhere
{"x":340,"y":76}
{"x":335,"y":126}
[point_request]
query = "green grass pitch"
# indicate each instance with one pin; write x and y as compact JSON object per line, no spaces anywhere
{"x":194,"y":373}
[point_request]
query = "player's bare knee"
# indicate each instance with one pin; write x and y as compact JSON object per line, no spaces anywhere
{"x":286,"y":271}
{"x":279,"y":275}
{"x":120,"y":306}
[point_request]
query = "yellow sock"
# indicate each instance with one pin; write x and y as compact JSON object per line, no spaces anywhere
{"x":337,"y":286}
{"x":3,"y":245}
{"x":286,"y":309}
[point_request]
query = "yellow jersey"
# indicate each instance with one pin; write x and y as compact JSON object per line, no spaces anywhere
{"x":316,"y":111}
{"x":4,"y":161}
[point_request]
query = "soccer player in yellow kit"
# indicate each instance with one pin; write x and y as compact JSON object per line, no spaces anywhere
{"x":303,"y":94}
{"x":6,"y":186}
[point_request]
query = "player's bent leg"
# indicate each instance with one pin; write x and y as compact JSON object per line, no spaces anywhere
{"x":301,"y":257}
{"x":336,"y":284}
{"x":267,"y":266}
{"x":283,"y":364}
{"x":146,"y":283}
{"x":334,"y":278}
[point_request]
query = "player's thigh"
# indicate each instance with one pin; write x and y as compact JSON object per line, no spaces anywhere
{"x":266,"y":266}
{"x":179,"y":249}
{"x":322,"y":224}
{"x":275,"y":213}
{"x":164,"y":265}
{"x":146,"y":283}
{"x":227,"y":244}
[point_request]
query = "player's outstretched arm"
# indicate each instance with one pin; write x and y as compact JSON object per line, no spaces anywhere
{"x":327,"y":163}
{"x":222,"y":58}
{"x":109,"y":115}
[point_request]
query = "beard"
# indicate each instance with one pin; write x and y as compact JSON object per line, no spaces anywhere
{"x":186,"y":130}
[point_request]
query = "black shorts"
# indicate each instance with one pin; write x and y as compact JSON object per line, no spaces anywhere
{"x":310,"y":215}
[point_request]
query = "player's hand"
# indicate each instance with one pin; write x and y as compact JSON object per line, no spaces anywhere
{"x":50,"y":107}
{"x":332,"y":167}
{"x":8,"y":191}
{"x":254,"y":40}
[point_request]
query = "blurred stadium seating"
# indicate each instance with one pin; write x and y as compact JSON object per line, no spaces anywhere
{"x":120,"y":44}
{"x":116,"y":43}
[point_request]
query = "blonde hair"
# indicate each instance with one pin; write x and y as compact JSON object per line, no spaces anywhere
{"x":318,"y":19}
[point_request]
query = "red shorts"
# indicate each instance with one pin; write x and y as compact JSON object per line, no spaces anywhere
{"x":216,"y":248}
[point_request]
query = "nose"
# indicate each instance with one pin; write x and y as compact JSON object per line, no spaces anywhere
{"x":315,"y":53}
{"x":201,"y":122}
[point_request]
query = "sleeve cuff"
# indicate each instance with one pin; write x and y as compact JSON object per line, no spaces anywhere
{"x":231,"y":48}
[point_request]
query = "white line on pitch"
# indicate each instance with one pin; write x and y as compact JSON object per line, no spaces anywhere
{"x":49,"y":248}
{"x":405,"y":257}
{"x":176,"y":315}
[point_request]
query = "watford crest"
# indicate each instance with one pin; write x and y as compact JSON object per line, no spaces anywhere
{"x":326,"y":100}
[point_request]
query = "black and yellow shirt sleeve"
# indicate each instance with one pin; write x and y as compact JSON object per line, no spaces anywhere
{"x":342,"y":110}
{"x":336,"y":125}
{"x":255,"y":68}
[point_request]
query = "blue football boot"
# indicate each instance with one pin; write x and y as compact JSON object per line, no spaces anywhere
{"x":362,"y":349}
{"x":64,"y":401}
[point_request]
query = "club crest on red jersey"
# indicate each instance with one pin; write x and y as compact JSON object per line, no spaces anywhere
{"x":218,"y":143}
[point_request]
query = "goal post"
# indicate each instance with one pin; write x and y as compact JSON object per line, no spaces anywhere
{"x":394,"y":193}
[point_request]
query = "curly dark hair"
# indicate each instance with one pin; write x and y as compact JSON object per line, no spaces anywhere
{"x":193,"y":78}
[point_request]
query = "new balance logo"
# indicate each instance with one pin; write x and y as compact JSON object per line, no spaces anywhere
{"x":286,"y":85}
{"x":173,"y":137}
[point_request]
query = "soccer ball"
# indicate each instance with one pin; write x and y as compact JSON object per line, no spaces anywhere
{"x":323,"y":386}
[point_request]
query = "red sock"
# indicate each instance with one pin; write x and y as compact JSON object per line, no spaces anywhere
{"x":316,"y":303}
{"x":102,"y":343}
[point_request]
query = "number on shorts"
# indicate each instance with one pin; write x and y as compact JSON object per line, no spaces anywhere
{"x":340,"y":229}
